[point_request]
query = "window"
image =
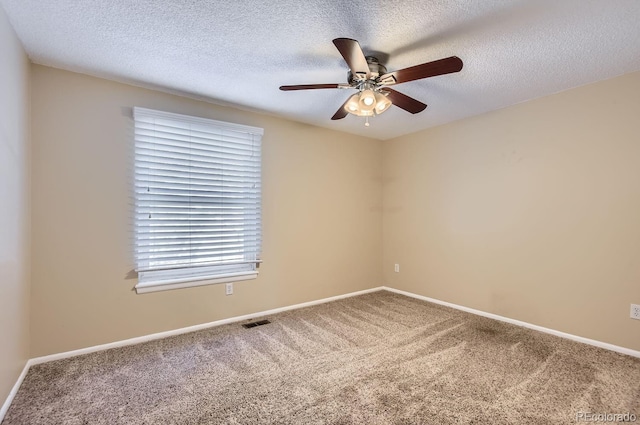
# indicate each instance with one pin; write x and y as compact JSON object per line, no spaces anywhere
{"x":197,"y":201}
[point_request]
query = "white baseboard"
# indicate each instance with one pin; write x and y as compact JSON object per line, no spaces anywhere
{"x":583,"y":340}
{"x":165,"y":334}
{"x":14,"y":390}
{"x":160,"y":335}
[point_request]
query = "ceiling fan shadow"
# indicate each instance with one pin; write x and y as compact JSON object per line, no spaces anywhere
{"x":474,"y":24}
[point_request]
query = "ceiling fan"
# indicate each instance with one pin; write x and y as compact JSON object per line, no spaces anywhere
{"x":371,"y":79}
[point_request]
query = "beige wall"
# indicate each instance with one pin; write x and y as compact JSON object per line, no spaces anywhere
{"x":14,"y":207}
{"x":531,"y":212}
{"x":322,"y":201}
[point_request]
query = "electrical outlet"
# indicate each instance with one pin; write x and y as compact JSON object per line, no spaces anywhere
{"x":228,"y":288}
{"x":635,"y":311}
{"x":396,"y":268}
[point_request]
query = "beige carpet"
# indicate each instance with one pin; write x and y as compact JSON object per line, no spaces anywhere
{"x":379,"y":358}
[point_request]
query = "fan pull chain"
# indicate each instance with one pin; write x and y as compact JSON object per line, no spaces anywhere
{"x":366,"y":121}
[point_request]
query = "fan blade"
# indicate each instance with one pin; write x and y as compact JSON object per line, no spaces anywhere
{"x":311,"y":86}
{"x":342,"y":112}
{"x":425,"y":70}
{"x":403,"y":101}
{"x":353,"y":56}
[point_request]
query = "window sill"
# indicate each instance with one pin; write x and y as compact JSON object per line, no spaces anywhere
{"x":156,"y":286}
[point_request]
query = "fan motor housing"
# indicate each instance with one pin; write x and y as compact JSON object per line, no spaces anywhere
{"x":375,"y":68}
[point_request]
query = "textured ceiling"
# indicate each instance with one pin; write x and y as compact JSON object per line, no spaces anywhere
{"x":239,"y":52}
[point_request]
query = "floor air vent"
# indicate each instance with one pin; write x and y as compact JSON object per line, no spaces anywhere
{"x":254,"y":324}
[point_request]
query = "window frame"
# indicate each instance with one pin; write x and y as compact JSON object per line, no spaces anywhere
{"x":161,"y":278}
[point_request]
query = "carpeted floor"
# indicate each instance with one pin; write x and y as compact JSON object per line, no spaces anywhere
{"x":379,"y":358}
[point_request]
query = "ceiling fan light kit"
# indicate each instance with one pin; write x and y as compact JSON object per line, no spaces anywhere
{"x":382,"y":103}
{"x":371,"y":79}
{"x":367,"y":99}
{"x":367,"y":103}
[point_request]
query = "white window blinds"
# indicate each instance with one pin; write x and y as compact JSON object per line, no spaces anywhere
{"x":197,"y":200}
